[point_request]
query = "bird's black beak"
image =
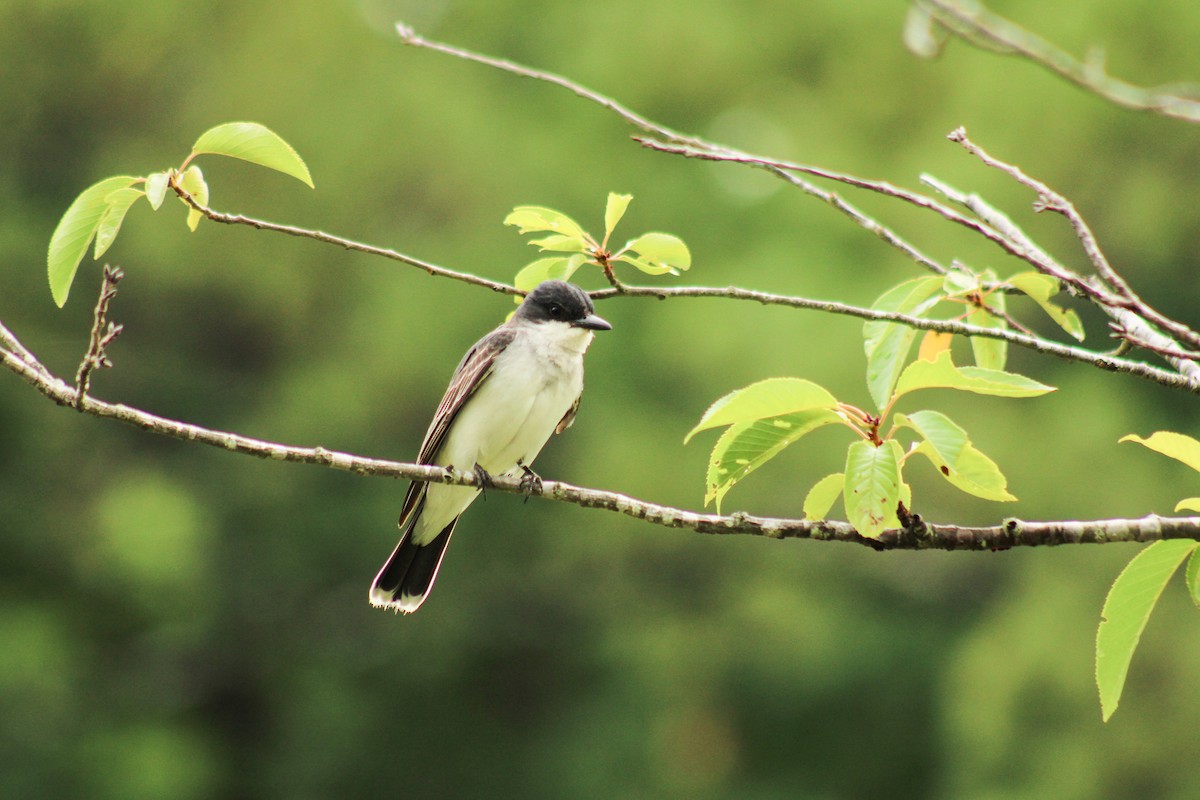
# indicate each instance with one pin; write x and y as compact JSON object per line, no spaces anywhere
{"x":592,"y":322}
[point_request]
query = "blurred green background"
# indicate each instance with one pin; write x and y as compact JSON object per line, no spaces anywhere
{"x":181,"y":622}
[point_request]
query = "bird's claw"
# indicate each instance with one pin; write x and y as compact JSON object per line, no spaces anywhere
{"x":531,"y":482}
{"x":484,"y":478}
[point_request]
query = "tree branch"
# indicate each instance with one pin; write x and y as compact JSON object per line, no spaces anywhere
{"x":919,"y":536}
{"x":977,"y":25}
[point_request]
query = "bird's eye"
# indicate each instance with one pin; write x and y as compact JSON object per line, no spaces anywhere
{"x":556,"y":311}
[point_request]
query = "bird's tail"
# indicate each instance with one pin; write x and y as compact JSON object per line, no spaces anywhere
{"x":405,"y":580}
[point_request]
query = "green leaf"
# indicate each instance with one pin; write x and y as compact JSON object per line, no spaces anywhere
{"x":646,"y":266}
{"x":957,"y":282}
{"x":662,"y":250}
{"x":110,"y":223}
{"x":1191,"y":576}
{"x":1188,"y":504}
{"x":555,"y":268}
{"x":746,"y":446}
{"x":989,"y":353}
{"x":821,"y":497}
{"x":74,"y":233}
{"x":955,"y":457}
{"x":772,"y":397}
{"x":872,"y":487}
{"x":538,"y":218}
{"x":192,"y":181}
{"x":1040,"y":288}
{"x":614,"y":209}
{"x":942,"y":374}
{"x":1127,"y":609}
{"x":1176,"y":445}
{"x":255,"y":143}
{"x":156,"y":188}
{"x":887,"y":343}
{"x":558,"y":242}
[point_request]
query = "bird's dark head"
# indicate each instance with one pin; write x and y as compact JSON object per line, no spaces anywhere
{"x":559,"y":301}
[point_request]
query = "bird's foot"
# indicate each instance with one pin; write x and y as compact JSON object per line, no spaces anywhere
{"x":531,"y":482}
{"x":484,"y":478}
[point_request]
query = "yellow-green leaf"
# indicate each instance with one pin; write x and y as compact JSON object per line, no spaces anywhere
{"x":1191,"y":576}
{"x":557,"y":242}
{"x":934,"y":343}
{"x":110,"y":224}
{"x":538,"y":218}
{"x":661,"y":250}
{"x":1127,"y":609}
{"x":822,"y":496}
{"x":1188,"y":504}
{"x":255,"y":143}
{"x":192,"y":181}
{"x":646,"y":266}
{"x":614,"y":209}
{"x":74,"y":233}
{"x":1040,"y":288}
{"x":1176,"y":445}
{"x":772,"y":397}
{"x":555,"y":268}
{"x":990,"y":353}
{"x":955,"y":457}
{"x":746,"y":446}
{"x":887,"y":343}
{"x":942,"y":374}
{"x":156,"y":188}
{"x":872,"y":486}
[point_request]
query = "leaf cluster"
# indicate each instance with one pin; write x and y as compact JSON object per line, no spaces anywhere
{"x":97,"y":213}
{"x":765,"y":417}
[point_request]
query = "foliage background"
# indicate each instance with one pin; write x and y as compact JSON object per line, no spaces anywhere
{"x":181,"y":622}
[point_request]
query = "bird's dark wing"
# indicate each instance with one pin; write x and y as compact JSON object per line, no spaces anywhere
{"x":468,"y":377}
{"x":569,"y":417}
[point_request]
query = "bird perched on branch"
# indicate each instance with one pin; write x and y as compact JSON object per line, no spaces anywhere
{"x":513,"y":388}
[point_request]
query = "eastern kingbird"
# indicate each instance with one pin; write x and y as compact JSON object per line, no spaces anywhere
{"x":515,"y":387}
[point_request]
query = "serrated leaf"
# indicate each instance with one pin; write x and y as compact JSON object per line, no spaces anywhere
{"x":156,"y":188}
{"x":560,"y":243}
{"x":119,"y":203}
{"x":887,"y":343}
{"x":1188,"y":504}
{"x":746,"y":446}
{"x":871,"y":491}
{"x":772,"y":397}
{"x":539,"y":218}
{"x":1127,"y":609}
{"x":923,"y":35}
{"x":1191,"y":576}
{"x":255,"y":143}
{"x":822,"y":496}
{"x":954,"y":456}
{"x":662,"y":250}
{"x":989,"y":353}
{"x":74,"y":233}
{"x":1176,"y":445}
{"x":1040,"y":288}
{"x":942,"y":374}
{"x":614,"y":209}
{"x":192,"y":181}
{"x":555,"y":268}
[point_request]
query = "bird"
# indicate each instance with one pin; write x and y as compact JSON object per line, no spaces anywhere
{"x":514,"y":388}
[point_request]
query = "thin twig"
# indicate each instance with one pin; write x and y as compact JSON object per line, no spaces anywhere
{"x":1010,"y":533}
{"x":348,"y":244}
{"x":1103,"y":361}
{"x":102,"y":335}
{"x":1050,"y":200}
{"x":977,"y":25}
